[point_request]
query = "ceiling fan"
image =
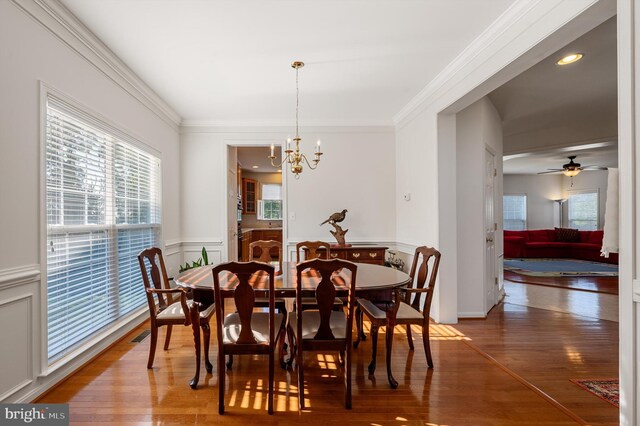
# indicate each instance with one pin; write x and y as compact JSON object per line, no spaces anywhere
{"x":571,"y":169}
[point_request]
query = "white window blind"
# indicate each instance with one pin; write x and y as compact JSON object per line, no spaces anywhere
{"x":103,"y":207}
{"x":514,"y":212}
{"x":270,"y":206}
{"x":583,"y":210}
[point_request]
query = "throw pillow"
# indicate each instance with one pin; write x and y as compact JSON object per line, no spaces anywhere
{"x":567,"y":235}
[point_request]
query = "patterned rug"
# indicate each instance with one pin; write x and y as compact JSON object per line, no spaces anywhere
{"x":607,"y":389}
{"x":560,"y":268}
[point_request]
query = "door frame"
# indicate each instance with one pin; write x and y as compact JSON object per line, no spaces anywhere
{"x":489,"y":151}
{"x":251,"y":143}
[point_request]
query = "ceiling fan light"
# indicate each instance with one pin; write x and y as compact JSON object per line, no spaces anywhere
{"x":571,"y":173}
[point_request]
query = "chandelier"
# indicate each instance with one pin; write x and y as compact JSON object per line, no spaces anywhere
{"x":293,"y":156}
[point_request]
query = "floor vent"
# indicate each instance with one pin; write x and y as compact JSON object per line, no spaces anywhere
{"x":140,"y":337}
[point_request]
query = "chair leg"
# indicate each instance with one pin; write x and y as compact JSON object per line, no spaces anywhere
{"x":374,"y":348}
{"x":230,"y":362}
{"x":409,"y":337}
{"x":168,"y":337}
{"x":152,"y":346}
{"x":360,"y":321}
{"x":347,"y":372}
{"x":206,"y":331}
{"x":300,"y":376}
{"x":292,"y":346}
{"x":271,"y":375}
{"x":358,"y":328}
{"x":281,"y":345}
{"x":427,"y":346}
{"x":221,"y":375}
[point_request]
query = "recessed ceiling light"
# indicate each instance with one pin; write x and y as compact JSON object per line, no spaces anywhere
{"x":254,"y":167}
{"x":569,"y":59}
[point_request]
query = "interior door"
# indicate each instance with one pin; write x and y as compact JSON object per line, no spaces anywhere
{"x":232,"y":204}
{"x":491,"y":280}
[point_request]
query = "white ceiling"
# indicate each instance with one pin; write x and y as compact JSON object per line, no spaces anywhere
{"x":571,"y":106}
{"x":603,"y":154}
{"x":257,"y":156}
{"x":229,"y":61}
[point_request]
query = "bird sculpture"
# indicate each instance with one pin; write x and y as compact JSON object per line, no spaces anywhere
{"x":336,"y":217}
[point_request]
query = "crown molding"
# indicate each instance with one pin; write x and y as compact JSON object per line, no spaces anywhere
{"x":282,"y":124}
{"x":508,"y":18}
{"x":56,"y":18}
{"x":280,"y":130}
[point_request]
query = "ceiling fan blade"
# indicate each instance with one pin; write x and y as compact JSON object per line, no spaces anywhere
{"x":551,"y":171}
{"x":595,"y":168}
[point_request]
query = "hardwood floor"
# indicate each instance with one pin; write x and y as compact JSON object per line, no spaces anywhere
{"x":592,"y":284}
{"x":512,"y":368}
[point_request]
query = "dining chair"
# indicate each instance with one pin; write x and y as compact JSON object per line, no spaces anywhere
{"x":264,"y":253}
{"x":163,"y":309}
{"x":324,"y":329}
{"x":313,"y":248}
{"x":245,"y":331}
{"x":317,"y":250}
{"x":413,"y":308}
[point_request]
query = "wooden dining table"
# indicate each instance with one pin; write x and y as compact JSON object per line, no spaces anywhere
{"x":374,"y":282}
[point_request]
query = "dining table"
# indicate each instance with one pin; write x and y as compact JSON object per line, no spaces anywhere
{"x":373,"y":282}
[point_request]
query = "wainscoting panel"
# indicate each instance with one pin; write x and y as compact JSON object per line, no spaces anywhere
{"x":17,"y":341}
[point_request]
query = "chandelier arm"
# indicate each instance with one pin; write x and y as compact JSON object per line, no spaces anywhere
{"x":315,"y":162}
{"x":284,"y":160}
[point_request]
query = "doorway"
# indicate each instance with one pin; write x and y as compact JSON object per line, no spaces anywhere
{"x":255,"y":199}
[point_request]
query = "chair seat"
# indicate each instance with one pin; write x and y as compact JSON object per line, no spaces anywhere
{"x":259,"y":325}
{"x":311,"y":323}
{"x":174,"y":312}
{"x":405,"y":312}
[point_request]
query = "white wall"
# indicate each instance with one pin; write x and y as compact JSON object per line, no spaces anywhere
{"x":356,"y":173}
{"x":32,"y":54}
{"x":542,"y":212}
{"x":477,"y":127}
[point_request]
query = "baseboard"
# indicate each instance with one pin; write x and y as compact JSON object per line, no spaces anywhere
{"x":472,"y":315}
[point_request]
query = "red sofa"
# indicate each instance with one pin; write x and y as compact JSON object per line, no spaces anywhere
{"x":543,"y":243}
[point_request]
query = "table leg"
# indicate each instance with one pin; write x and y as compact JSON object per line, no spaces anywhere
{"x":391,"y":323}
{"x":195,"y":324}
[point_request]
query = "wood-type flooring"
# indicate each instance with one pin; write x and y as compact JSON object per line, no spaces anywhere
{"x":512,"y":368}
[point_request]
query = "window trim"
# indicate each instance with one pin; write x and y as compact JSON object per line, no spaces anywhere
{"x":96,"y":343}
{"x":260,"y":202}
{"x":583,"y":191}
{"x":526,"y":208}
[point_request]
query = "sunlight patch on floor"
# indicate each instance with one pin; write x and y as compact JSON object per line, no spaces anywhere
{"x":327,"y":362}
{"x":436,"y":331}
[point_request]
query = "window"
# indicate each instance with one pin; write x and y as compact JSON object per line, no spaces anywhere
{"x":102,"y":208}
{"x":270,"y":206}
{"x":583,"y":210}
{"x":515,"y":212}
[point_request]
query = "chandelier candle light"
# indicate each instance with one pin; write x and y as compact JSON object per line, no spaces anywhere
{"x":294,"y":156}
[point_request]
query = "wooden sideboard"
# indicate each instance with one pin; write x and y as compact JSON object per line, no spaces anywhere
{"x":359,"y":254}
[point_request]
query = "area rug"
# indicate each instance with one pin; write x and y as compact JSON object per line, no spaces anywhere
{"x":607,"y":389}
{"x":560,"y":268}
